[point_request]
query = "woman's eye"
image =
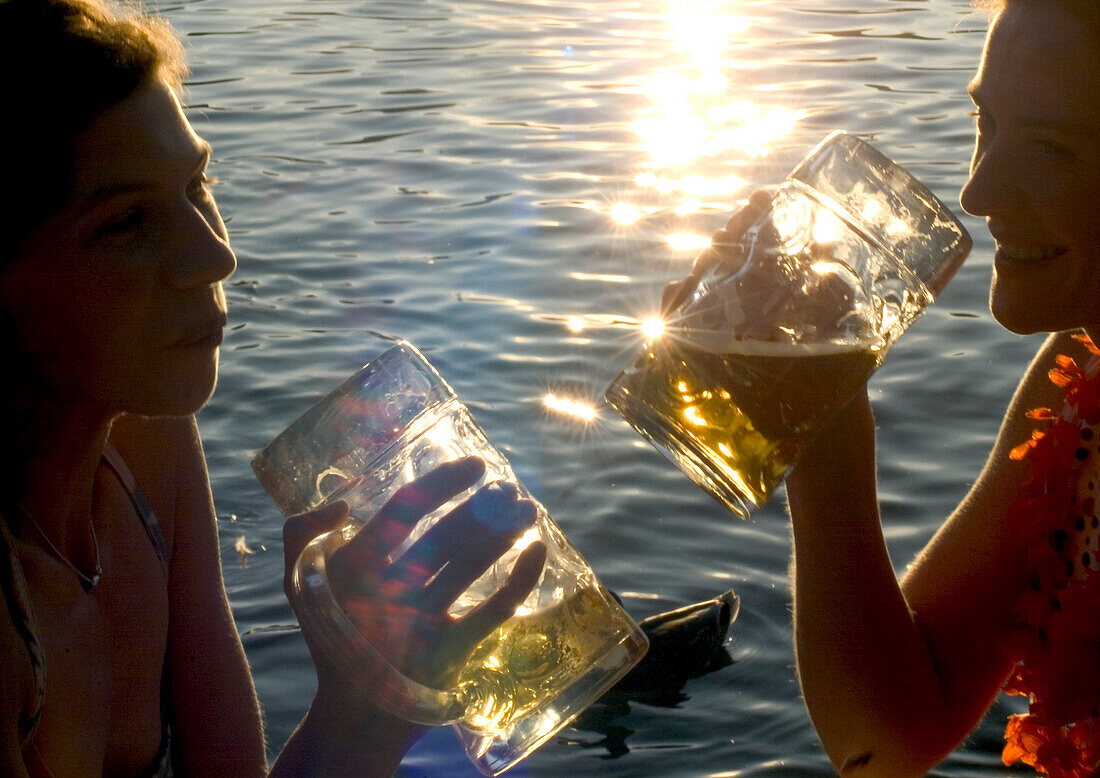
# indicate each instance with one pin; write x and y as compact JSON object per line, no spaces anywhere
{"x":128,"y":220}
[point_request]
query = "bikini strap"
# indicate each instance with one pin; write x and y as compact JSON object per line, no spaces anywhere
{"x":141,"y":505}
{"x":162,"y":765}
{"x":15,"y":592}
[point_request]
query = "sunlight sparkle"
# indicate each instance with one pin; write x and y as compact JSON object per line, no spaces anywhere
{"x":569,"y":407}
{"x":652,"y":327}
{"x":624,"y":213}
{"x":827,"y":227}
{"x":687,"y":241}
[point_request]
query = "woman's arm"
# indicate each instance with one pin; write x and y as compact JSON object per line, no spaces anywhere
{"x":217,"y":714}
{"x":216,"y":726}
{"x":340,"y":737}
{"x":896,"y":674}
{"x":342,"y":734}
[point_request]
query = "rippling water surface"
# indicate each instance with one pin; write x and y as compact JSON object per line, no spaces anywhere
{"x":508,"y":185}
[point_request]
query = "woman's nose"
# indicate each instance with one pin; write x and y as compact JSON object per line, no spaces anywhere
{"x":990,"y":187}
{"x":201,"y":255}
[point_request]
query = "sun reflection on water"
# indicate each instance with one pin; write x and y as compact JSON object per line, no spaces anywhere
{"x":688,"y":241}
{"x":579,"y":410}
{"x":699,"y":141}
{"x":624,"y":213}
{"x":697,"y":127}
{"x":692,"y":115}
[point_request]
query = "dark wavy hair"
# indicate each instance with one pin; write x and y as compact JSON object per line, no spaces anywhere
{"x":62,"y":63}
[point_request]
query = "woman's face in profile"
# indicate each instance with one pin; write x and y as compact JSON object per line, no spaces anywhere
{"x":116,"y":300}
{"x":1035,"y":175}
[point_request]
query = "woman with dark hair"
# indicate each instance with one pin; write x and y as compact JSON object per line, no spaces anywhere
{"x":118,"y":650}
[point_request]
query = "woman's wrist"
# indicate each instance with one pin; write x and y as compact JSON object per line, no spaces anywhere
{"x":836,"y":474}
{"x":851,"y":431}
{"x":352,"y":710}
{"x":346,"y":734}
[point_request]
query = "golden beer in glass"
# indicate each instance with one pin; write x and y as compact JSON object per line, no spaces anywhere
{"x":773,"y":343}
{"x":566,"y":644}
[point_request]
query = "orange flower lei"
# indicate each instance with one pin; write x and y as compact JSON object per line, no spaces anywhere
{"x":1058,"y":666}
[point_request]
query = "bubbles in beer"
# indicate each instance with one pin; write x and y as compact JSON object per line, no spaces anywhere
{"x":529,"y":659}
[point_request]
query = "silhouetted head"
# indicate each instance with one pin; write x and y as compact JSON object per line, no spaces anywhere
{"x":62,"y":63}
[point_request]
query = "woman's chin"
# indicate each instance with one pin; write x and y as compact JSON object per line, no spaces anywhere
{"x":176,"y":406}
{"x":176,"y":398}
{"x":1026,"y":316}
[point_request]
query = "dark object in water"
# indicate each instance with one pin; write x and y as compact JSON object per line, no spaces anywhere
{"x":683,"y":644}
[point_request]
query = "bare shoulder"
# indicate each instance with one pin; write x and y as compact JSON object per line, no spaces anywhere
{"x":968,"y":579}
{"x":165,"y":455}
{"x":154,"y":437}
{"x":215,"y":710}
{"x":1036,"y":389}
{"x":972,"y":549}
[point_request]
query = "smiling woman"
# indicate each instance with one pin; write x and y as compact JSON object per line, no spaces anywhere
{"x":1036,"y":163}
{"x":1007,"y":593}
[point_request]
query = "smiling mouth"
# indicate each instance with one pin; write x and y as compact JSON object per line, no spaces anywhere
{"x":1018,"y":253}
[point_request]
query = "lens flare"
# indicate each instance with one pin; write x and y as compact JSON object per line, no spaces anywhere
{"x":652,"y":327}
{"x":569,"y":407}
{"x":624,"y":213}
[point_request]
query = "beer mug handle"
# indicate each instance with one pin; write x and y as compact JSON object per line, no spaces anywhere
{"x":352,"y":654}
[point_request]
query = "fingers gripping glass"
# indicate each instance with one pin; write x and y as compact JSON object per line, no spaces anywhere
{"x":391,"y":428}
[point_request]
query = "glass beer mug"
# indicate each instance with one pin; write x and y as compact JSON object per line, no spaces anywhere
{"x":767,"y":349}
{"x":567,"y":643}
